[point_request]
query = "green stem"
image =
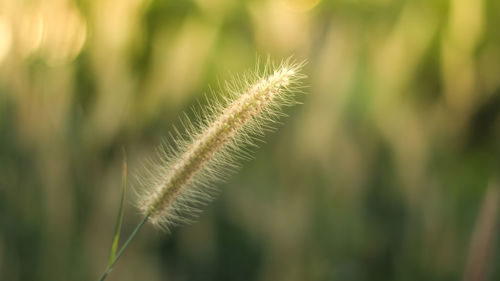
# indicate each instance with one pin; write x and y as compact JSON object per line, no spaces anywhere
{"x":123,"y":248}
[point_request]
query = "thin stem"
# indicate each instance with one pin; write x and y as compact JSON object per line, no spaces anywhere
{"x":123,"y":248}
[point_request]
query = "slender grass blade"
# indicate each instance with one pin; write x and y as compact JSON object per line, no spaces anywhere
{"x":119,"y":219}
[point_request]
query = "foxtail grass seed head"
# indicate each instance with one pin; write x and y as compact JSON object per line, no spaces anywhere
{"x":182,"y":179}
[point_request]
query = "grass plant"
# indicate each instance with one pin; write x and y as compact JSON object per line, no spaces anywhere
{"x":206,"y":149}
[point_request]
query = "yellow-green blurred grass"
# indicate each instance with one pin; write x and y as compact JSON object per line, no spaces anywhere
{"x":386,"y":162}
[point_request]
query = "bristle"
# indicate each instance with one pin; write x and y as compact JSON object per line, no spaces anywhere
{"x":209,"y":147}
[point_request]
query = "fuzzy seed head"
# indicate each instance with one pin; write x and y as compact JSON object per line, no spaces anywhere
{"x":182,"y":178}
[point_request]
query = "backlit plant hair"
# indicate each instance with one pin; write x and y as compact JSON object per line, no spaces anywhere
{"x":182,"y":178}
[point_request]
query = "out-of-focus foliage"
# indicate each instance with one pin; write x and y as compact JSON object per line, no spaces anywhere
{"x":387,"y":172}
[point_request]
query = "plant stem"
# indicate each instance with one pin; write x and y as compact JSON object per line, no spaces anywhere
{"x":123,"y":248}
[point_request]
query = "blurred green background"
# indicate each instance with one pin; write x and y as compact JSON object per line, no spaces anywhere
{"x":386,"y":172}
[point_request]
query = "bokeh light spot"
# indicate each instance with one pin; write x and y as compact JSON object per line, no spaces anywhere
{"x":300,"y":5}
{"x":64,"y":35}
{"x":31,"y":32}
{"x":5,"y":38}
